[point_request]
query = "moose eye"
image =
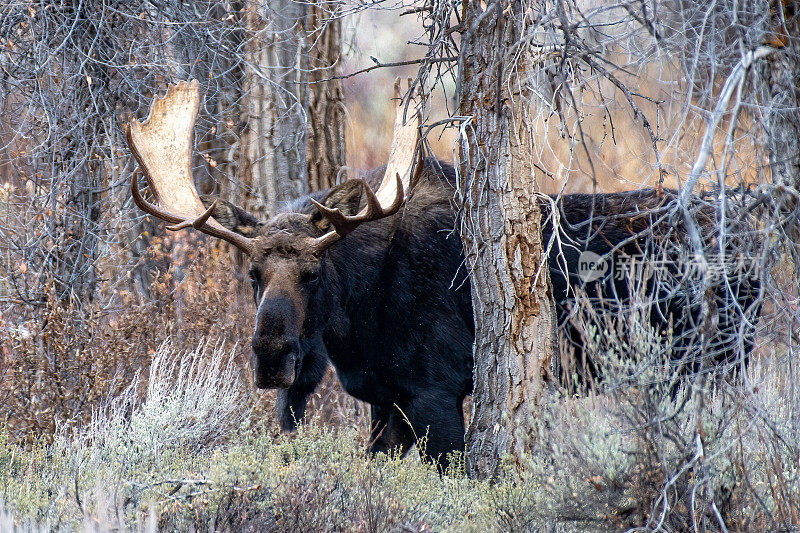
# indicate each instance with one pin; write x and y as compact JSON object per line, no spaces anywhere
{"x":311,"y":277}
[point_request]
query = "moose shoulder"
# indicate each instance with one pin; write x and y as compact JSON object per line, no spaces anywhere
{"x":370,"y":275}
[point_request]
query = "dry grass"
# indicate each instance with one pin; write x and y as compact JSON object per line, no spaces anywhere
{"x":181,"y":450}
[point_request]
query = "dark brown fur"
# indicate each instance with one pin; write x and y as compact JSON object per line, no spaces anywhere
{"x":389,"y":305}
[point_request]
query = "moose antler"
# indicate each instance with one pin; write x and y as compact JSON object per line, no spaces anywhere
{"x":162,"y":146}
{"x":397,"y":178}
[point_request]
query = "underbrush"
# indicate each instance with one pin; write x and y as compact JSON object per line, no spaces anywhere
{"x":190,"y":457}
{"x":184,"y":449}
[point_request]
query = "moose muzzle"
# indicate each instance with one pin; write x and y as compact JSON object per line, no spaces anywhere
{"x":276,"y":371}
{"x":276,"y":345}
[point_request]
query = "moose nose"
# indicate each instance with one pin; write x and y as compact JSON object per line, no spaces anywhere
{"x":274,"y":347}
{"x":270,"y":325}
{"x":276,"y":316}
{"x":274,"y":362}
{"x":276,"y":342}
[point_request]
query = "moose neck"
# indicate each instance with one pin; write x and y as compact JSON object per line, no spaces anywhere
{"x":357,"y":265}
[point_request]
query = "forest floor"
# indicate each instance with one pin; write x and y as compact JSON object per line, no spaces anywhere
{"x":193,"y":455}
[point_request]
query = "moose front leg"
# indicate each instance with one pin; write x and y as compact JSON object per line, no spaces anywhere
{"x":438,"y":419}
{"x":390,"y":430}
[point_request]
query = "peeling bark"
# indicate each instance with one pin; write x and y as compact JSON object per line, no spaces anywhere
{"x":501,"y":230}
{"x":326,"y":144}
{"x":781,"y":99}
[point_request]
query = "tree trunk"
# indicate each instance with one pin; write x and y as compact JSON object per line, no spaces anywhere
{"x":781,"y":97}
{"x":501,"y":230}
{"x":274,"y":142}
{"x":326,"y":146}
{"x":294,"y":136}
{"x":782,"y":81}
{"x":79,"y":174}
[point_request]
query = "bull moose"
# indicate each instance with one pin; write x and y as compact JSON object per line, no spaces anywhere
{"x":368,"y":275}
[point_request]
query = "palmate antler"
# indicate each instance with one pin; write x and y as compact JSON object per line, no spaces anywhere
{"x":162,"y":146}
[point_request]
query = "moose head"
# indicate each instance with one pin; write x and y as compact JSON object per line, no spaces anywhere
{"x":288,"y":251}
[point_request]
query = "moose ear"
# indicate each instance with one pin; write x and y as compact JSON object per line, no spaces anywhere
{"x":344,"y":197}
{"x":232,"y":217}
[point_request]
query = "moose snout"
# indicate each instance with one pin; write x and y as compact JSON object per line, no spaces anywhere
{"x":274,"y":362}
{"x":276,"y":346}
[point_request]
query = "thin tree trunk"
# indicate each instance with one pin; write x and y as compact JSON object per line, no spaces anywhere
{"x":501,"y":230}
{"x":294,"y":136}
{"x":326,"y":146}
{"x":81,"y":177}
{"x":781,"y":83}
{"x":274,"y":143}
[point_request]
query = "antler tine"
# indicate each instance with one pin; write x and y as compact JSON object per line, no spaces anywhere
{"x":334,"y":216}
{"x":320,"y":244}
{"x":399,"y":197}
{"x":162,"y":147}
{"x":345,"y":224}
{"x":197,"y":223}
{"x":373,"y":204}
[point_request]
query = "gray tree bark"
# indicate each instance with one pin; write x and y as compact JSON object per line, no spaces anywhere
{"x":781,"y":99}
{"x":782,"y":82}
{"x":501,"y":230}
{"x":294,"y":138}
{"x":274,"y":142}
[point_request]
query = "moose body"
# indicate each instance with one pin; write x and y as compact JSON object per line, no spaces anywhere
{"x":393,"y":306}
{"x":374,"y":281}
{"x":389,"y":306}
